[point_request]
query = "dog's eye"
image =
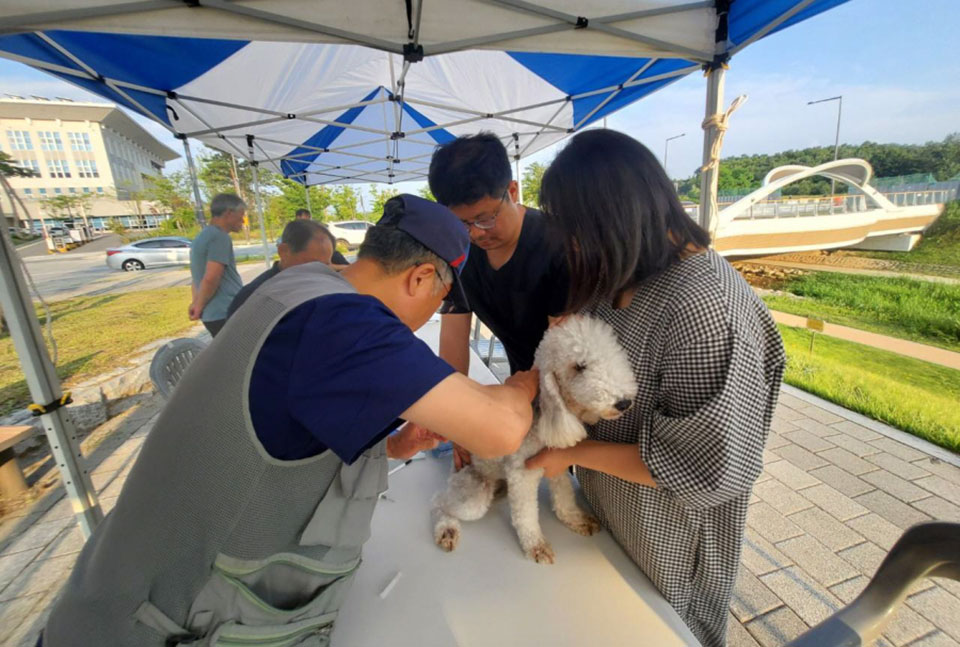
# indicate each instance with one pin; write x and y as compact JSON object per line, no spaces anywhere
{"x":580,"y":367}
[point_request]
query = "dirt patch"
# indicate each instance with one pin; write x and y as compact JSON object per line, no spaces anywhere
{"x":766,"y":277}
{"x":845,"y":259}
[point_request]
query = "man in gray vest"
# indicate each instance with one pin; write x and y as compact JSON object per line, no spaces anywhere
{"x":243,"y":520}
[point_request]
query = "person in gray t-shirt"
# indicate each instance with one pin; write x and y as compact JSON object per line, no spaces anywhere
{"x":212,"y":266}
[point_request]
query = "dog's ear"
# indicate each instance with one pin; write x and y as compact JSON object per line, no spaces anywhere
{"x":557,"y":427}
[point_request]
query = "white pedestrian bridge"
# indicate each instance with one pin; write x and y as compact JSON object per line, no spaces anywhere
{"x":864,"y":218}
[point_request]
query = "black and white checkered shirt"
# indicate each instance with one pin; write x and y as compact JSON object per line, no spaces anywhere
{"x":708,"y":359}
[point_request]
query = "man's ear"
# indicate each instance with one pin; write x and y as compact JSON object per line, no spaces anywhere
{"x":513,"y":189}
{"x":420,"y":277}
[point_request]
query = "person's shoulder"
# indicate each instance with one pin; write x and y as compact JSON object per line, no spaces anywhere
{"x":707,"y":296}
{"x":350,"y":308}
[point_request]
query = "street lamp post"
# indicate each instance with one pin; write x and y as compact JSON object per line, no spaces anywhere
{"x":836,"y":141}
{"x":666,"y":148}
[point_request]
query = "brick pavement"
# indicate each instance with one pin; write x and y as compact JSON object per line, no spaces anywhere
{"x":836,"y":493}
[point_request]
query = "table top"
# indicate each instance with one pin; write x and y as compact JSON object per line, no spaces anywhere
{"x":486,"y":593}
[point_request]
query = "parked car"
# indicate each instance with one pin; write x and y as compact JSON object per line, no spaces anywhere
{"x":150,"y":252}
{"x":349,"y":232}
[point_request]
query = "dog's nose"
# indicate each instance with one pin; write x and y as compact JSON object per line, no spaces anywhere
{"x":623,"y":405}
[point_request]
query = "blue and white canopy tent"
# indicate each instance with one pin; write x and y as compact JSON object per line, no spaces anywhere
{"x":326,"y":91}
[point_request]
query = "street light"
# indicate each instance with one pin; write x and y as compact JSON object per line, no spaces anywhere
{"x":836,"y":141}
{"x":666,"y":145}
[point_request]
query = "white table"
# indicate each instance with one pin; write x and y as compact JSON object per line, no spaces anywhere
{"x":486,"y":593}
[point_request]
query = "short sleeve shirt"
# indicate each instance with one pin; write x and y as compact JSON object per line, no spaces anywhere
{"x":336,"y":373}
{"x":515,"y":301}
{"x":214,"y":244}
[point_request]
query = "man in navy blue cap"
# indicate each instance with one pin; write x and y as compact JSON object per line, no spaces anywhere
{"x":260,"y":476}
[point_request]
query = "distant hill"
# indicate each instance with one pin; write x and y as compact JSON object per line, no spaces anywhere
{"x":744,"y":173}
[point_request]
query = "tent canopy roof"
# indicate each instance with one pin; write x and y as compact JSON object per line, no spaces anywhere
{"x":326,"y":91}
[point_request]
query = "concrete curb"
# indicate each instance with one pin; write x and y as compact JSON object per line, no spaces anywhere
{"x":910,"y":440}
{"x":100,"y":398}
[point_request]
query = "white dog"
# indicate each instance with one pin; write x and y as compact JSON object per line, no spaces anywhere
{"x":584,"y":376}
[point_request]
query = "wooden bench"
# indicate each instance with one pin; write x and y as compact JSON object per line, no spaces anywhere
{"x":11,"y":478}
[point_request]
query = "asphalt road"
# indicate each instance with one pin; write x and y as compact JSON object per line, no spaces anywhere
{"x":84,"y":272}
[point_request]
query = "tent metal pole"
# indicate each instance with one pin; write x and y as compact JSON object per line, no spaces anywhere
{"x":256,"y":187}
{"x":709,"y":178}
{"x":516,"y":159}
{"x":197,"y":200}
{"x":45,"y":388}
{"x":306,"y":190}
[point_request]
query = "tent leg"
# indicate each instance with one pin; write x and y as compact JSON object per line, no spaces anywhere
{"x":709,"y":178}
{"x":263,"y":228}
{"x":44,"y":388}
{"x":197,"y":200}
{"x":306,"y":190}
{"x":519,"y":183}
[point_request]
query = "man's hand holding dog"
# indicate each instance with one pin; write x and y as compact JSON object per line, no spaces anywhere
{"x":411,"y":439}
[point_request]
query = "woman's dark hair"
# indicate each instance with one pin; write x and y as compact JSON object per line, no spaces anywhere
{"x":617,"y":213}
{"x":468,"y":169}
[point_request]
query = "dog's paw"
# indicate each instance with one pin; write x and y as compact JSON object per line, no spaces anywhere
{"x":585,"y":525}
{"x":448,"y":538}
{"x":542,"y":553}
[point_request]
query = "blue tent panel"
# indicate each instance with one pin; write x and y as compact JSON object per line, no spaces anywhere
{"x":747,"y":17}
{"x":322,"y":139}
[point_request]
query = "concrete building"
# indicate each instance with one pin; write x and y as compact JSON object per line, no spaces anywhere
{"x":79,"y":149}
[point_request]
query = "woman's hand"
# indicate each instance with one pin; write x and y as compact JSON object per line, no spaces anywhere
{"x":552,"y":461}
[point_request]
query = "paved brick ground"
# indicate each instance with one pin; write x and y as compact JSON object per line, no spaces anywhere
{"x":836,"y":493}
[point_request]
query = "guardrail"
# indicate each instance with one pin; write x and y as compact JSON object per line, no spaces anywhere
{"x":837,"y":204}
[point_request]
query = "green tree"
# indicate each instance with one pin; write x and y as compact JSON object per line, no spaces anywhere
{"x":532,"y":177}
{"x":10,"y":168}
{"x":425,"y":193}
{"x":68,"y":206}
{"x":344,"y":199}
{"x":174,"y":194}
{"x":380,"y":197}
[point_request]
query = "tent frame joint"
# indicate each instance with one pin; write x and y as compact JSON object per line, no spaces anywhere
{"x":412,"y":52}
{"x":582,"y":22}
{"x":394,"y":136}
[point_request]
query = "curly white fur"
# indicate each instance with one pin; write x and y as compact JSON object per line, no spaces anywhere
{"x":584,"y":376}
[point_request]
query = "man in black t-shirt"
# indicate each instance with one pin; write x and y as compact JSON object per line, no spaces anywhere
{"x":515,"y":280}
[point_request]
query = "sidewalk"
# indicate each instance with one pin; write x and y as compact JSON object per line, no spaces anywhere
{"x":923,"y":352}
{"x":836,"y":492}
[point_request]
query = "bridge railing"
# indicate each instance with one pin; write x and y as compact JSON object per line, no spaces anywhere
{"x":799,"y":207}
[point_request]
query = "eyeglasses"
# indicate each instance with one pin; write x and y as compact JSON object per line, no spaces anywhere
{"x":487,"y":222}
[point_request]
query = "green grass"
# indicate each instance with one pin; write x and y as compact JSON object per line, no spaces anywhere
{"x":96,"y":334}
{"x":921,"y":311}
{"x":909,"y":394}
{"x":940,"y":244}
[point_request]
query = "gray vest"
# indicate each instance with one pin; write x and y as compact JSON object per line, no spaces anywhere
{"x":213,"y":541}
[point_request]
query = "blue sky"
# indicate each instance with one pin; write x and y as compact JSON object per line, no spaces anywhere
{"x":896,"y":64}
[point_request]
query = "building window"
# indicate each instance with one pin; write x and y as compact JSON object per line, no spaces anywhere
{"x":87,"y":168}
{"x":80,"y":142}
{"x":33,"y":165}
{"x":72,"y":190}
{"x":58,"y":168}
{"x":42,"y":191}
{"x":86,"y":189}
{"x":50,"y":141}
{"x":57,"y":190}
{"x":28,"y":192}
{"x":19,"y":140}
{"x":99,"y":189}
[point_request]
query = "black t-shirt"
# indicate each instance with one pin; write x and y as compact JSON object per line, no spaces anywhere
{"x":515,"y":301}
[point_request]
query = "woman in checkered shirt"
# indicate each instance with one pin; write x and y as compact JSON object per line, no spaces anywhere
{"x":671,"y":478}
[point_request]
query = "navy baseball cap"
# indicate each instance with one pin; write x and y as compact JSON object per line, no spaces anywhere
{"x":433,"y":226}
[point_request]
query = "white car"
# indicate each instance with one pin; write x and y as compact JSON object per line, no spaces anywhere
{"x":149,"y":252}
{"x":349,"y":232}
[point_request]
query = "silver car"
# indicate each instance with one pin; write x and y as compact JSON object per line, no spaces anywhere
{"x":150,"y":252}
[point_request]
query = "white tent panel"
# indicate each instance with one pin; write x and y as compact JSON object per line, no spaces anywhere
{"x":544,"y":25}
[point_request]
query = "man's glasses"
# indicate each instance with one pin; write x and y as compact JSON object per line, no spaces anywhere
{"x":487,"y":222}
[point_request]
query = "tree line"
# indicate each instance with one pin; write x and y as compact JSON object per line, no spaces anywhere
{"x":744,"y":173}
